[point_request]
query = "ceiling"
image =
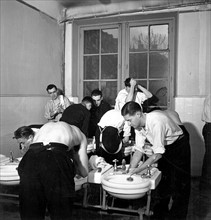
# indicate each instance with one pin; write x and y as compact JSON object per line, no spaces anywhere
{"x":62,"y":9}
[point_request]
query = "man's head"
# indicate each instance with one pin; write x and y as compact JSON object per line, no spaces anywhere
{"x":52,"y":91}
{"x":133,"y":113}
{"x":111,"y":140}
{"x":128,"y":85}
{"x":97,"y":97}
{"x":24,"y":136}
{"x":87,"y":102}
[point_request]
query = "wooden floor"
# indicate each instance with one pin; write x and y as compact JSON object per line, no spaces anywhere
{"x":199,"y":209}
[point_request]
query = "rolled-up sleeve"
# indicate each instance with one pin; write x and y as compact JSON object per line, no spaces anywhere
{"x":158,"y":134}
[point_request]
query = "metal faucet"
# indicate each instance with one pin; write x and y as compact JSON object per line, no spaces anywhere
{"x":148,"y":173}
{"x":115,"y":165}
{"x":11,"y":157}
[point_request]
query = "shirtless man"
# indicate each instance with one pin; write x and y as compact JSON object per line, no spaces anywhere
{"x":56,"y":152}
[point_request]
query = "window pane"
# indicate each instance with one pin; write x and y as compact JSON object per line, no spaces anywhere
{"x":142,"y":83}
{"x":139,"y":39}
{"x":91,"y":42}
{"x":91,"y":67}
{"x":160,"y":90}
{"x":138,"y":65}
{"x":109,"y":66}
{"x":109,"y":40}
{"x":158,"y":65}
{"x":89,"y":86}
{"x":109,"y":90}
{"x":159,"y":37}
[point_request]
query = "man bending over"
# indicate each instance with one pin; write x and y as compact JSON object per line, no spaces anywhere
{"x":56,"y":153}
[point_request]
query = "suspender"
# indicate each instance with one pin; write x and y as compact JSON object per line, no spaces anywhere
{"x":101,"y":143}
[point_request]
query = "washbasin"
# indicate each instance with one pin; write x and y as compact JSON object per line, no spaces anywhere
{"x":119,"y":186}
{"x":9,"y":174}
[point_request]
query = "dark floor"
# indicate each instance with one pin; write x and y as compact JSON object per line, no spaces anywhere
{"x":198,"y":209}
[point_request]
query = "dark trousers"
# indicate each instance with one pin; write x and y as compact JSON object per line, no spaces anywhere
{"x":172,"y":194}
{"x":202,"y":206}
{"x":205,"y":182}
{"x":46,"y":181}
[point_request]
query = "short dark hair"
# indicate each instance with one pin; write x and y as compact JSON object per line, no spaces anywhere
{"x":23,"y":132}
{"x":131,"y":108}
{"x":127,"y":82}
{"x":51,"y":86}
{"x":111,"y":139}
{"x":96,"y":92}
{"x":87,"y":99}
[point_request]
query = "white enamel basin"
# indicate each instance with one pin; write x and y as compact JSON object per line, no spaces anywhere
{"x":9,"y":174}
{"x":118,"y":186}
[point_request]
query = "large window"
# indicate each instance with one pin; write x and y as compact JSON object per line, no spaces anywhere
{"x":149,"y":59}
{"x":100,"y":61}
{"x":143,"y":50}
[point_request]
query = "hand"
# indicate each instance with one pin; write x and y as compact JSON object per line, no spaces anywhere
{"x":132,"y":82}
{"x":132,"y":171}
{"x":60,"y":109}
{"x":125,"y":139}
{"x":53,"y":114}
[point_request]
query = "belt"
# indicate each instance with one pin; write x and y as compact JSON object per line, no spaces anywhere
{"x":39,"y":146}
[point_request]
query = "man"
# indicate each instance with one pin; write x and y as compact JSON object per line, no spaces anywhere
{"x":79,"y":114}
{"x":99,"y":108}
{"x":58,"y":103}
{"x":170,"y":148}
{"x":202,"y":207}
{"x":131,"y":92}
{"x":206,"y":132}
{"x":47,"y":170}
{"x":110,"y":136}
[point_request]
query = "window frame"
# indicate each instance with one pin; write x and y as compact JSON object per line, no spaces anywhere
{"x":123,"y":68}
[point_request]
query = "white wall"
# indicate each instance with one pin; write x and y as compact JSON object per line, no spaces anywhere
{"x":193,"y":81}
{"x":31,"y":58}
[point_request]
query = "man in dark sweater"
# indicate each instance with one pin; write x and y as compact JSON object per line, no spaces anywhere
{"x":99,"y":108}
{"x":79,"y":114}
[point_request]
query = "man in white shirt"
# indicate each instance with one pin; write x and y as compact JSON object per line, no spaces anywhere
{"x":131,"y":92}
{"x":206,"y":132}
{"x":170,"y":148}
{"x":56,"y":105}
{"x":203,"y":204}
{"x":111,"y":134}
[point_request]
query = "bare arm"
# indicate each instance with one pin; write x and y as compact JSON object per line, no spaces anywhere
{"x":80,"y":156}
{"x":152,"y":159}
{"x":145,"y":91}
{"x":132,"y":90}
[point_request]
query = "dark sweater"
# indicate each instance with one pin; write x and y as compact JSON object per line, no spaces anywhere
{"x":96,"y":115}
{"x":77,"y":115}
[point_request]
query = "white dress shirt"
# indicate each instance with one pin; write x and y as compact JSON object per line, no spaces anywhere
{"x":206,"y":113}
{"x":160,"y":130}
{"x":122,"y":95}
{"x":115,"y":119}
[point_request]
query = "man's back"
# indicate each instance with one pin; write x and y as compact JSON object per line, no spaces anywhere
{"x":59,"y":132}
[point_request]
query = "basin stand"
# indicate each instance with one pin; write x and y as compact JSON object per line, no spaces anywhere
{"x":141,"y":211}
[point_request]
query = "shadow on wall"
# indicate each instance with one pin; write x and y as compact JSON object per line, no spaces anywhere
{"x":197,"y":149}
